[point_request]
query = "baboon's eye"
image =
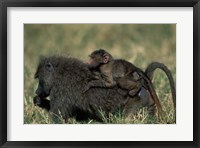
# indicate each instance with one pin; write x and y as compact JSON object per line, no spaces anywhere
{"x":49,"y":67}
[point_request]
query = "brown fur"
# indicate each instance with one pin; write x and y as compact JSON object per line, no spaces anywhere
{"x":120,"y":72}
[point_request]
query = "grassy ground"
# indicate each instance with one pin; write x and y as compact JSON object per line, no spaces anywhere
{"x":139,"y":44}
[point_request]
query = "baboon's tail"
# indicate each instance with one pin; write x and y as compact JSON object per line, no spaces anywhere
{"x":150,"y":70}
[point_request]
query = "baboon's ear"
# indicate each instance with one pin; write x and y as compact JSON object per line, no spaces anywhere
{"x":106,"y":58}
{"x":49,"y":67}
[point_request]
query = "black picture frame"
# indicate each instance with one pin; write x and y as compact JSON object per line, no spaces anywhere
{"x":4,"y":4}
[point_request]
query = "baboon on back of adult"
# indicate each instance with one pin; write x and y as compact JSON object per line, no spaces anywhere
{"x":122,"y":73}
{"x":62,"y":79}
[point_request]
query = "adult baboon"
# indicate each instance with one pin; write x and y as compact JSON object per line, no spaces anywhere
{"x":62,"y":79}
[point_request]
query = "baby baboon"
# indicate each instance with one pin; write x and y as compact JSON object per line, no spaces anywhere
{"x":122,"y":73}
{"x":111,"y":71}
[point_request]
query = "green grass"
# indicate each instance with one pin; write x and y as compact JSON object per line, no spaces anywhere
{"x":139,"y":44}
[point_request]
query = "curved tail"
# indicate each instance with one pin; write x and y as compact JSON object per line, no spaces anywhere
{"x":150,"y":70}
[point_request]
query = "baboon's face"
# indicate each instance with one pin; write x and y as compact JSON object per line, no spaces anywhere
{"x":98,"y":58}
{"x":94,"y":62}
{"x":44,"y":75}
